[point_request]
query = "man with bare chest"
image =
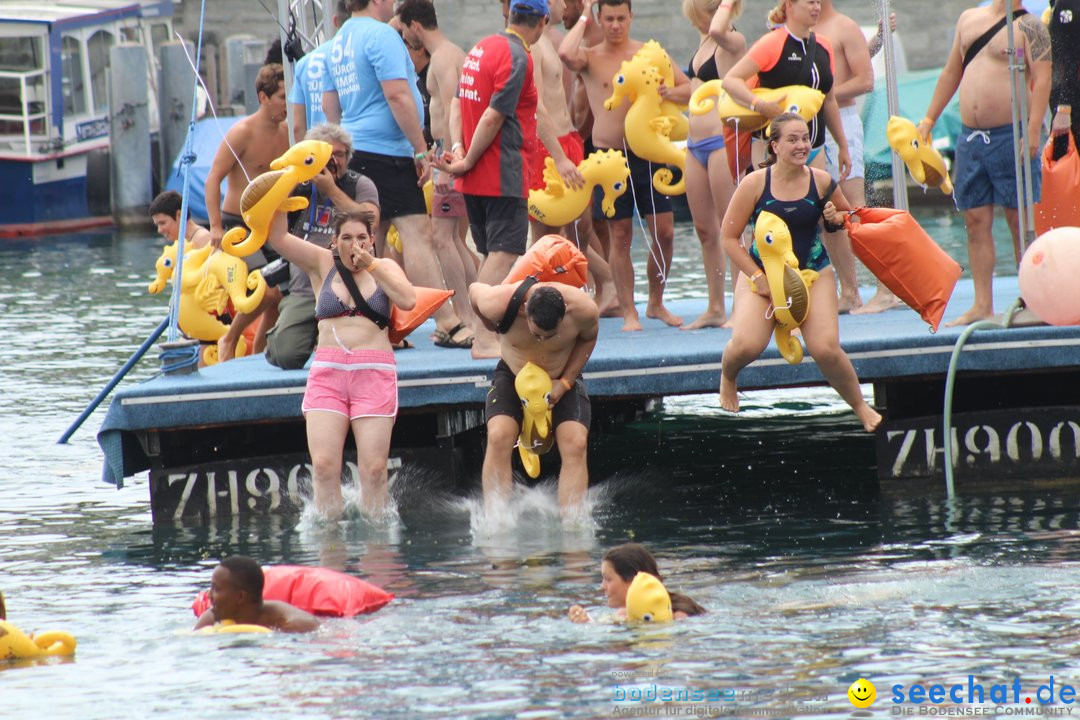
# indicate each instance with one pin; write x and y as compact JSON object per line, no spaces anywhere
{"x":597,"y":66}
{"x":246,"y":152}
{"x":853,"y":75}
{"x":257,"y":140}
{"x":984,"y":175}
{"x":555,"y":327}
{"x":552,"y":89}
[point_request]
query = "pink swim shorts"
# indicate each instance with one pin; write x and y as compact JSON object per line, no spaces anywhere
{"x":361,"y":383}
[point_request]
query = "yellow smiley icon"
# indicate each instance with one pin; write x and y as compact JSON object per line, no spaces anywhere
{"x":862,"y":693}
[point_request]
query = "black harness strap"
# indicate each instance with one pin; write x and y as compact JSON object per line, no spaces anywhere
{"x":362,"y":308}
{"x":514,"y":305}
{"x":986,"y":37}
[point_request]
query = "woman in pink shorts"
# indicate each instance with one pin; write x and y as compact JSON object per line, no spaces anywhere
{"x":353,"y":378}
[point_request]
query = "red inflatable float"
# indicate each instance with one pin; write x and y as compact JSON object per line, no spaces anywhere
{"x":552,"y":258}
{"x":318,"y":590}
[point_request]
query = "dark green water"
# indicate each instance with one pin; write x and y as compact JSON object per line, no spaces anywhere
{"x":773,"y":521}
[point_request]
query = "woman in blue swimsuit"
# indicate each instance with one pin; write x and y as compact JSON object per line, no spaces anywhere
{"x":352,"y":383}
{"x":709,"y":185}
{"x":799,"y":194}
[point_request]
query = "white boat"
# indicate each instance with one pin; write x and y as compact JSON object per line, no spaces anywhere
{"x":54,"y":106}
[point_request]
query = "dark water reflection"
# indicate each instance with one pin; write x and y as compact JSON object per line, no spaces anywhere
{"x":774,"y":521}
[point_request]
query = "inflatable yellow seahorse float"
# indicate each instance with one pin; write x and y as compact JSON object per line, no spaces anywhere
{"x":16,"y":645}
{"x":558,"y":204}
{"x":789,"y":286}
{"x":805,"y":101}
{"x":925,"y":164}
{"x":272,"y":191}
{"x":209,"y":280}
{"x":648,"y":130}
{"x":533,"y":386}
{"x":655,"y":54}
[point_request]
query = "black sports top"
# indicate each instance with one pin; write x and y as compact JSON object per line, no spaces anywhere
{"x":782,"y":59}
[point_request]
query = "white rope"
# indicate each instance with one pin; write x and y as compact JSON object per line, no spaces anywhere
{"x":653,"y":240}
{"x":210,"y":103}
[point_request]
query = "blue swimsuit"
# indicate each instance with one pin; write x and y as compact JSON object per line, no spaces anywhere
{"x":801,"y":217}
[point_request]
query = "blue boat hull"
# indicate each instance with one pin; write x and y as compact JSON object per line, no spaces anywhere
{"x":58,"y":194}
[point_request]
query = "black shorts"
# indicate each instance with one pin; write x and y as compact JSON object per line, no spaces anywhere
{"x":649,"y":200}
{"x":395,"y":179}
{"x":260,"y":257}
{"x":498,"y":224}
{"x":502,"y":399}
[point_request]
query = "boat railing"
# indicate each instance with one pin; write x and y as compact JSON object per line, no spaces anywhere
{"x":23,"y":108}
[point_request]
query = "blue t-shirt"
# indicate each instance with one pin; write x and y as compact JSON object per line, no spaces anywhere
{"x":363,"y":54}
{"x":308,"y":84}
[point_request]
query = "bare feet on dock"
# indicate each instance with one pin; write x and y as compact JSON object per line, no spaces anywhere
{"x":883,"y":300}
{"x":226,"y":348}
{"x":659,"y":312}
{"x":707,"y":319}
{"x":607,"y":302}
{"x":848,"y":303}
{"x":972,"y":315}
{"x":729,"y":395}
{"x":631,"y":323}
{"x":868,"y":416}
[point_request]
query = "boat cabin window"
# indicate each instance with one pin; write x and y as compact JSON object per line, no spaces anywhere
{"x":74,"y":88}
{"x":21,"y":54}
{"x":159,"y":34}
{"x":97,"y":48}
{"x":18,"y":55}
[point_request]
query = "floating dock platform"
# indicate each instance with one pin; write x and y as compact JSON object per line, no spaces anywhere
{"x":229,"y":439}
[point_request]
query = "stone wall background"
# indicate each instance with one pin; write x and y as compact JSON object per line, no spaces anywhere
{"x":925,"y":25}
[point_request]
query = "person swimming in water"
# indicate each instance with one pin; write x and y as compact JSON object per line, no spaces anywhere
{"x":617,"y":570}
{"x":236,"y":594}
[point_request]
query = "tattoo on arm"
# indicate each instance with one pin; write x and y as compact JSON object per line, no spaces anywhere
{"x":1038,"y":38}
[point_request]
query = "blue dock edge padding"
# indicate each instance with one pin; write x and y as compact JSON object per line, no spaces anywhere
{"x":205,"y":140}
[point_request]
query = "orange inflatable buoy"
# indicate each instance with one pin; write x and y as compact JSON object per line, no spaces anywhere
{"x":428,"y":301}
{"x":1060,"y":203}
{"x":317,"y":590}
{"x":552,"y":258}
{"x":898,"y":252}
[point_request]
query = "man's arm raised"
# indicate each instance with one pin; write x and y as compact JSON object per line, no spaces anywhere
{"x":571,"y":51}
{"x":855,"y":50}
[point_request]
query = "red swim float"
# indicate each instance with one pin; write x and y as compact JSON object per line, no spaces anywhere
{"x":318,"y":590}
{"x":552,"y":258}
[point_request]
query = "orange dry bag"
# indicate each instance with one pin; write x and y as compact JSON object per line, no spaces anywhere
{"x":1060,"y":204}
{"x":428,"y":300}
{"x":552,"y":258}
{"x":899,"y":252}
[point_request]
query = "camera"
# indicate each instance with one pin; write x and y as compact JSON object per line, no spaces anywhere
{"x":276,"y":272}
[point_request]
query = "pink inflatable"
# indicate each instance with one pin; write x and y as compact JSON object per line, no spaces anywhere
{"x":1048,"y":273}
